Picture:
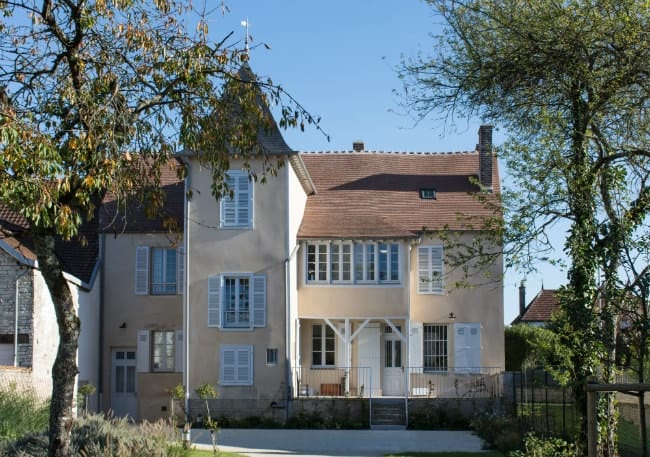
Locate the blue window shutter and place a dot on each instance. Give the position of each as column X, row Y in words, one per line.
column 180, row 269
column 214, row 300
column 142, row 270
column 142, row 353
column 259, row 300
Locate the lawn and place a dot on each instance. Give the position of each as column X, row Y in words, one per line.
column 448, row 454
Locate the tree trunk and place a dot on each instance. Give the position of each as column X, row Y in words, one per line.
column 65, row 369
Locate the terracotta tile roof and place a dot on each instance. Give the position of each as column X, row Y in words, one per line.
column 540, row 308
column 77, row 258
column 377, row 194
column 133, row 219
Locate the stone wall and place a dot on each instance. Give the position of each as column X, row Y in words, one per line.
column 10, row 270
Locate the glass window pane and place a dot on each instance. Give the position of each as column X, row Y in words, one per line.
column 370, row 262
column 394, row 262
column 347, row 262
column 398, row 353
column 358, row 262
column 322, row 262
column 130, row 380
column 383, row 262
column 329, row 358
column 335, row 261
column 119, row 379
column 311, row 262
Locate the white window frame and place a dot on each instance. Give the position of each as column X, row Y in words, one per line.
column 430, row 275
column 163, row 273
column 429, row 344
column 340, row 263
column 234, row 180
column 370, row 256
column 323, row 346
column 318, row 246
column 236, row 380
column 160, row 351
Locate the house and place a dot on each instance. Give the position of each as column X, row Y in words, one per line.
column 325, row 281
column 540, row 309
column 28, row 329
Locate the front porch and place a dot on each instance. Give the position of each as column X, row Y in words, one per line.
column 461, row 383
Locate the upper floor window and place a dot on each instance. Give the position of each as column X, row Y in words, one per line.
column 430, row 270
column 158, row 271
column 237, row 208
column 347, row 262
column 237, row 300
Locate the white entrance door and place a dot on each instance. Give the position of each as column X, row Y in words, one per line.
column 123, row 394
column 369, row 344
column 393, row 379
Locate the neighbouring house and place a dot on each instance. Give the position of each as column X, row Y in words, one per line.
column 540, row 309
column 28, row 329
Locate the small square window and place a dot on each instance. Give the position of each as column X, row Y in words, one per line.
column 428, row 194
column 272, row 356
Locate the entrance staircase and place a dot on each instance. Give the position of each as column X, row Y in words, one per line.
column 388, row 414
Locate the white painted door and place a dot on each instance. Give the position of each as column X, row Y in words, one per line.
column 393, row 379
column 123, row 388
column 369, row 355
column 467, row 347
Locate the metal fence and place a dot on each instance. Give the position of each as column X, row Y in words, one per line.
column 472, row 382
column 544, row 406
column 332, row 382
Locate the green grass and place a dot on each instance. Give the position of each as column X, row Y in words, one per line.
column 20, row 414
column 203, row 453
column 448, row 454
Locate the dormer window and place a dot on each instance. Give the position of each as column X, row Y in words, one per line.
column 427, row 193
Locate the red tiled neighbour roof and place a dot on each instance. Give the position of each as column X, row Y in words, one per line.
column 540, row 308
column 116, row 219
column 377, row 194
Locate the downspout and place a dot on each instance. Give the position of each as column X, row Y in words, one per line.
column 287, row 330
column 408, row 331
column 186, row 291
column 18, row 276
column 102, row 264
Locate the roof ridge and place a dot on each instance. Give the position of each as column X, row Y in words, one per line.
column 352, row 152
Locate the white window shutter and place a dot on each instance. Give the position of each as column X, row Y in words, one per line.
column 415, row 347
column 142, row 353
column 180, row 269
column 214, row 300
column 437, row 270
column 259, row 300
column 228, row 205
column 424, row 270
column 467, row 347
column 142, row 270
column 179, row 348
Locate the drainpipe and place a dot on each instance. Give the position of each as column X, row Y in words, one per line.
column 408, row 331
column 186, row 291
column 18, row 276
column 102, row 265
column 287, row 325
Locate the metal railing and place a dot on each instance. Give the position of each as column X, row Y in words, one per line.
column 332, row 382
column 455, row 382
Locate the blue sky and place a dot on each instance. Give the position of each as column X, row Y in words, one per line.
column 338, row 59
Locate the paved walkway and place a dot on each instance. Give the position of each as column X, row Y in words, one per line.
column 262, row 443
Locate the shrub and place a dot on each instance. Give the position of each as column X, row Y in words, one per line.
column 95, row 436
column 500, row 432
column 535, row 446
column 21, row 414
column 438, row 417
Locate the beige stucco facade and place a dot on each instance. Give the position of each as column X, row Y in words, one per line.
column 126, row 315
column 261, row 250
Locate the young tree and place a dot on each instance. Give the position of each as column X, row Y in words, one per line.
column 94, row 97
column 570, row 83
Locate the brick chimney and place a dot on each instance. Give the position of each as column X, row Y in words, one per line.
column 485, row 156
column 358, row 146
column 522, row 298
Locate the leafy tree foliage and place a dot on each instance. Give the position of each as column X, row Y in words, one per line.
column 94, row 97
column 570, row 83
column 529, row 347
